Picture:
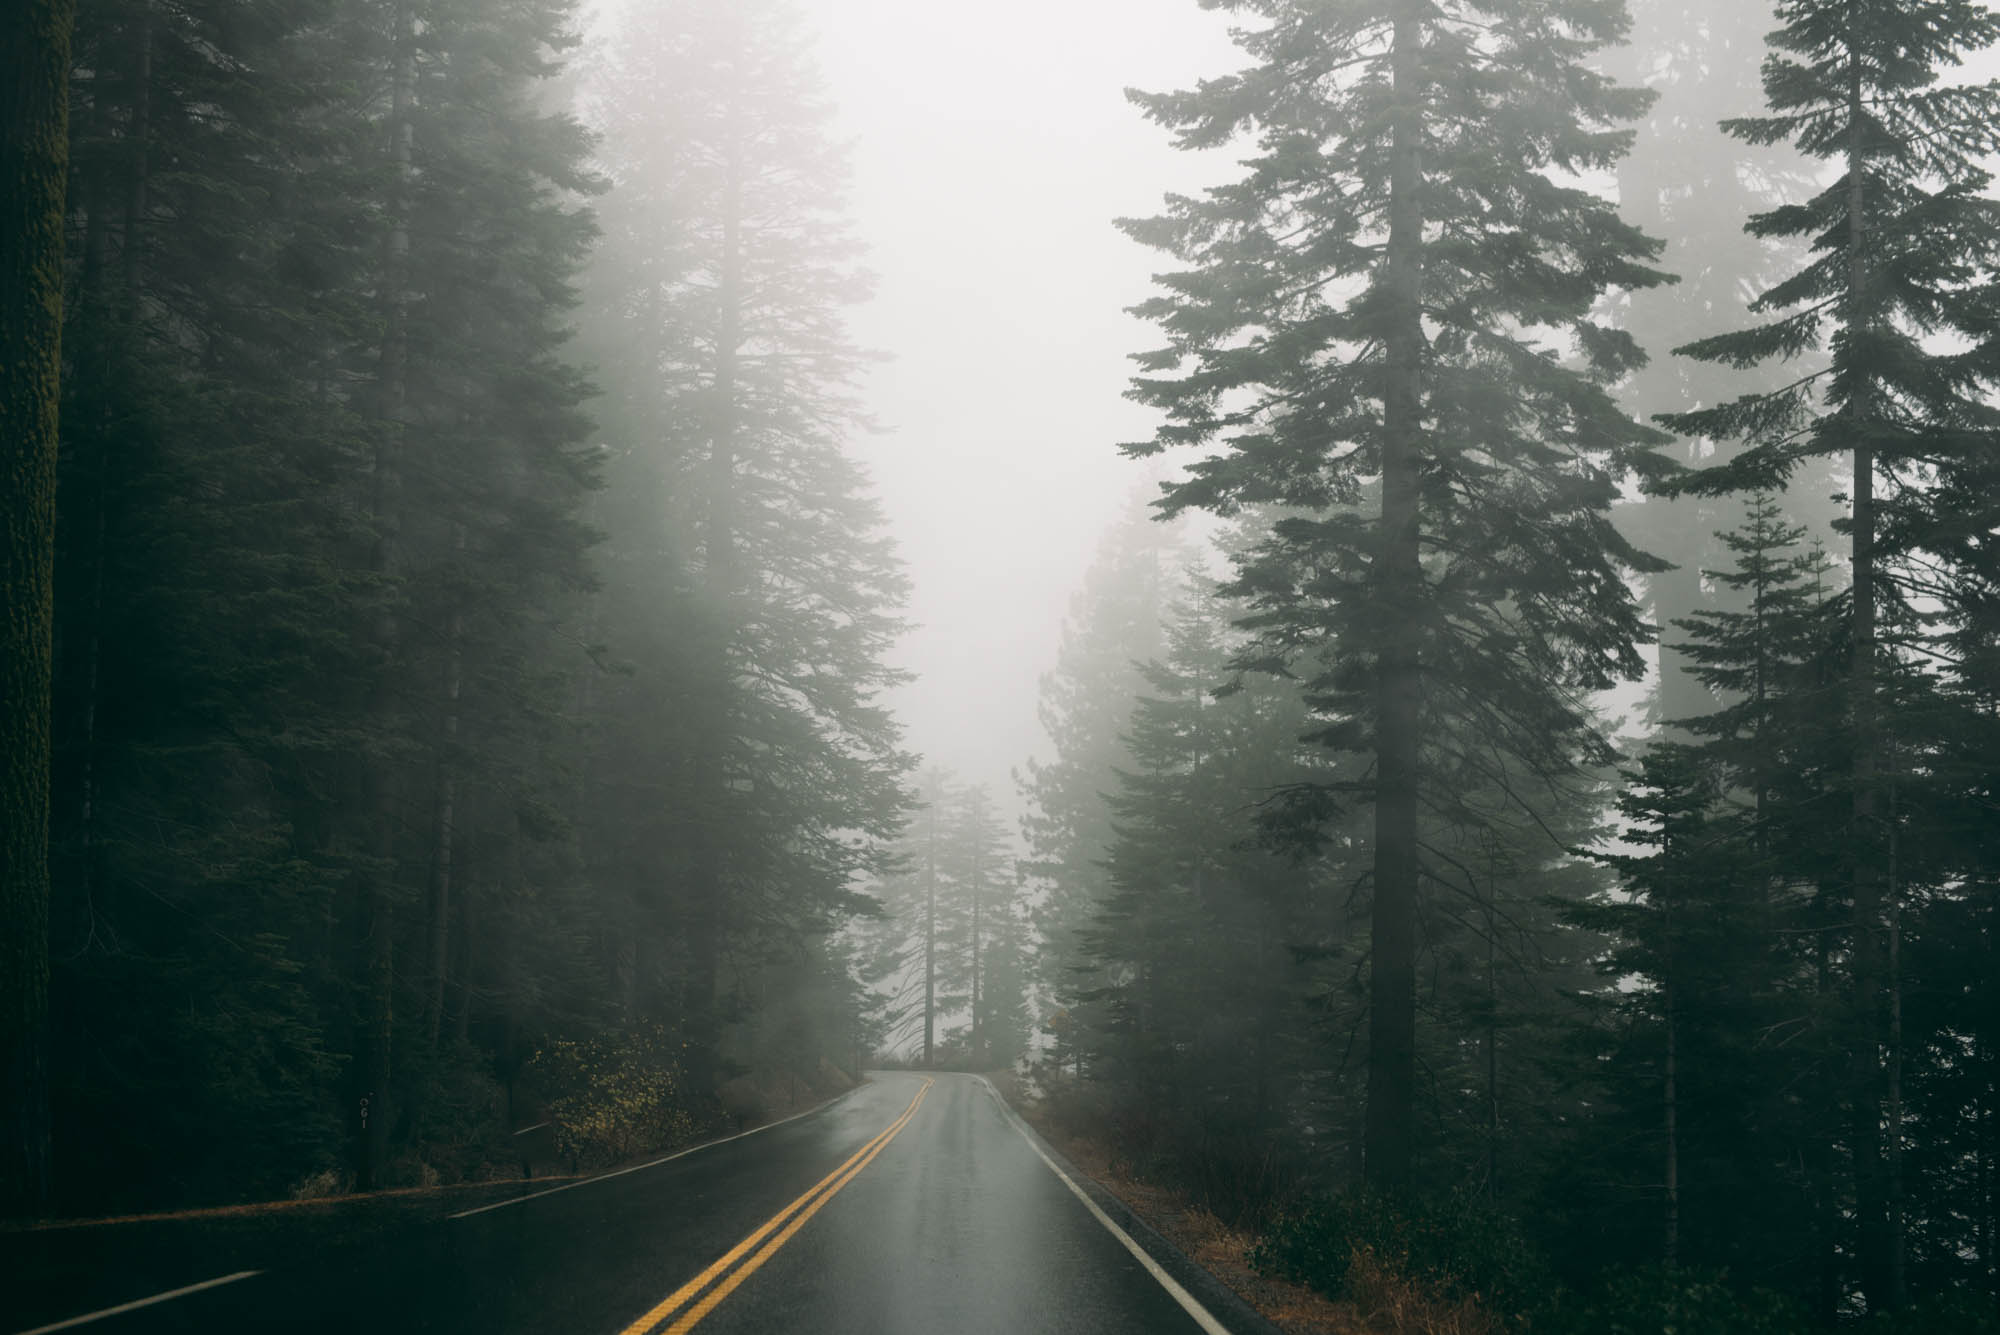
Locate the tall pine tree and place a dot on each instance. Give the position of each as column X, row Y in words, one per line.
column 724, row 281
column 1389, row 324
column 1113, row 628
column 1688, row 183
column 1898, row 289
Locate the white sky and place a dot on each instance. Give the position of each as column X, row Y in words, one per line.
column 992, row 148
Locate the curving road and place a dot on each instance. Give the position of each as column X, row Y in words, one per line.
column 913, row 1204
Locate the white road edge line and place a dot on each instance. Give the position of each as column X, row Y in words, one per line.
column 169, row 1295
column 640, row 1167
column 1189, row 1303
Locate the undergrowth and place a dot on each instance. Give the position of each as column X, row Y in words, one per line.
column 1452, row 1265
column 1453, row 1247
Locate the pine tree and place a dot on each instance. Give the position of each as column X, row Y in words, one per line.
column 1502, row 961
column 492, row 471
column 282, row 593
column 928, row 902
column 1379, row 302
column 1752, row 659
column 1955, row 988
column 1006, row 986
column 1113, row 628
column 1902, row 247
column 202, row 612
column 979, row 866
column 1196, row 997
column 1687, row 183
column 1716, row 970
column 728, row 267
column 1738, row 917
column 1683, row 931
column 342, row 723
column 953, row 943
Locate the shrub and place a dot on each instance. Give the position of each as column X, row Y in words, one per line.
column 457, row 1119
column 1080, row 1109
column 318, row 1186
column 1455, row 1246
column 610, row 1099
column 1659, row 1300
column 1389, row 1300
column 1961, row 1312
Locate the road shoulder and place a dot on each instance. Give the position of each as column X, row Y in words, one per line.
column 1228, row 1306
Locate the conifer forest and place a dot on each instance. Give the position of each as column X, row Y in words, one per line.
column 1503, row 806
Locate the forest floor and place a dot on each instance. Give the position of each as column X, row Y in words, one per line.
column 1204, row 1239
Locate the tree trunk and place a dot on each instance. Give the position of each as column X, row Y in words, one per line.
column 1984, row 1225
column 377, row 1067
column 709, row 914
column 976, row 1029
column 703, row 904
column 1881, row 1279
column 139, row 183
column 1270, row 1016
column 377, row 1033
column 1893, row 1133
column 1983, row 1053
column 1670, row 1248
column 94, row 499
column 93, row 314
column 34, row 168
column 1492, row 1050
column 465, row 918
column 445, row 819
column 438, row 921
column 1391, row 1109
column 1826, row 1203
column 930, row 934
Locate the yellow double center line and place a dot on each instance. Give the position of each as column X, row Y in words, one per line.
column 784, row 1223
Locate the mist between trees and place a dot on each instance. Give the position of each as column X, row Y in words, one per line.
column 471, row 628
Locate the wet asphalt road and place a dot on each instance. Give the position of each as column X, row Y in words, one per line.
column 954, row 1223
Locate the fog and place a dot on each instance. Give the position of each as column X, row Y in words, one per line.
column 991, row 150
column 547, row 531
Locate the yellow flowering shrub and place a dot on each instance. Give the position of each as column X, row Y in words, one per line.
column 611, row 1099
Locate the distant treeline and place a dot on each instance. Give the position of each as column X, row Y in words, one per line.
column 1366, row 917
column 468, row 624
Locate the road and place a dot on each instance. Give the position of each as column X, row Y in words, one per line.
column 915, row 1203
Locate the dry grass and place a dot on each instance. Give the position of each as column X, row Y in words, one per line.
column 1218, row 1248
column 1387, row 1301
column 1380, row 1301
